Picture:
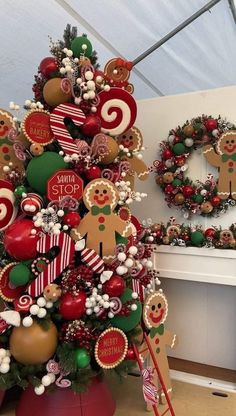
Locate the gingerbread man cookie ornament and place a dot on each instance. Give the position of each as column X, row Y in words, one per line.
column 224, row 158
column 101, row 224
column 155, row 310
column 117, row 72
column 133, row 140
column 7, row 152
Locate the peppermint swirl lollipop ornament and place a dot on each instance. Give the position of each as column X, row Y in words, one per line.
column 8, row 210
column 117, row 110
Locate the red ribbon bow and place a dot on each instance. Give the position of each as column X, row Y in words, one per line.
column 124, row 64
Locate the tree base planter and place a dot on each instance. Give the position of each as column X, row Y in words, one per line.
column 64, row 402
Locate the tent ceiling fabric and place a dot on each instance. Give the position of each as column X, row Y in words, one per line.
column 201, row 56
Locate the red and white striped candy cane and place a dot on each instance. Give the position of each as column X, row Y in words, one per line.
column 59, row 129
column 57, row 265
column 92, row 259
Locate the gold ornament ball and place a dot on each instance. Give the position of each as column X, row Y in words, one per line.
column 206, row 207
column 53, row 93
column 188, row 130
column 36, row 149
column 179, row 198
column 33, row 345
column 166, row 240
column 159, row 180
column 168, row 177
column 52, row 292
column 113, row 150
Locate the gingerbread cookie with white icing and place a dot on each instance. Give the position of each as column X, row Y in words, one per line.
column 132, row 139
column 155, row 311
column 101, row 224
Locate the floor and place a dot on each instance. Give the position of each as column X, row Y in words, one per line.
column 189, row 400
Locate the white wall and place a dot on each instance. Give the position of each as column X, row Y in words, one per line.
column 202, row 314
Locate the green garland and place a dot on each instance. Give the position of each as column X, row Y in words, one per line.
column 183, row 235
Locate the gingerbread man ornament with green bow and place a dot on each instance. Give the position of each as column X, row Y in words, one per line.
column 223, row 157
column 155, row 310
column 101, row 224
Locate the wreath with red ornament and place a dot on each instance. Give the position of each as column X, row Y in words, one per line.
column 196, row 197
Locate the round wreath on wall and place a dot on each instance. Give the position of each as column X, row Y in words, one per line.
column 217, row 138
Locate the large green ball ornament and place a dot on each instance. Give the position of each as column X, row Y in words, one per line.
column 82, row 358
column 41, row 168
column 177, row 182
column 127, row 323
column 198, row 198
column 78, row 48
column 179, row 149
column 197, row 238
column 19, row 275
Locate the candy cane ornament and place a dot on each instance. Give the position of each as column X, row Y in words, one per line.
column 117, row 110
column 8, row 211
column 67, row 248
column 61, row 133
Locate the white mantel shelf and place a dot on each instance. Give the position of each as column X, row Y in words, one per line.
column 196, row 264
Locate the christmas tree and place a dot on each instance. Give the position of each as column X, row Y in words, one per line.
column 73, row 268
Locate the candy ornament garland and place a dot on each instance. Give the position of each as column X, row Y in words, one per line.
column 198, row 198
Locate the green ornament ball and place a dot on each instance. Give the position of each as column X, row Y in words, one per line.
column 19, row 275
column 179, row 149
column 82, row 357
column 197, row 238
column 21, row 189
column 41, row 168
column 127, row 323
column 198, row 198
column 77, row 47
column 176, row 182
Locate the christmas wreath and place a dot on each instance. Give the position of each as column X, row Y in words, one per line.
column 202, row 198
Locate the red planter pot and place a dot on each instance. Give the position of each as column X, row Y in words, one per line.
column 64, row 402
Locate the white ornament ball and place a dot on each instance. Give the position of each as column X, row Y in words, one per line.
column 46, row 380
column 120, row 270
column 2, row 353
column 41, row 302
column 129, row 263
column 135, row 295
column 88, row 75
column 27, row 321
column 6, row 360
column 121, row 257
column 134, row 307
column 4, row 368
column 39, row 390
column 188, row 142
column 42, row 313
column 133, row 250
column 34, row 310
column 52, row 377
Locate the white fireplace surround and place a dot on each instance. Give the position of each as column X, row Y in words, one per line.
column 206, row 265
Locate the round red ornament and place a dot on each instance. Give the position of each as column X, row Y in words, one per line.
column 94, row 172
column 18, row 240
column 210, row 233
column 180, row 160
column 169, row 189
column 215, row 201
column 72, row 219
column 188, row 191
column 111, row 348
column 130, row 355
column 72, row 306
column 167, row 154
column 115, row 286
column 48, row 66
column 211, row 124
column 91, row 126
